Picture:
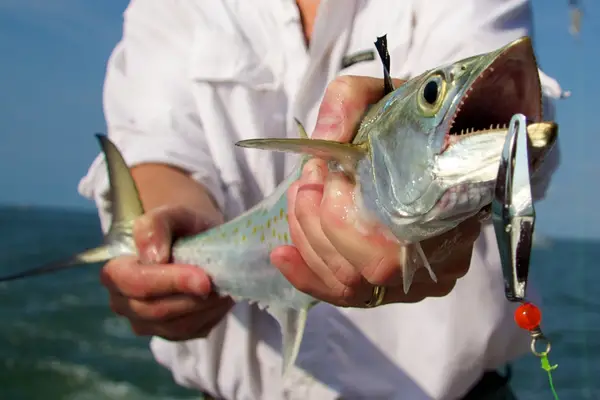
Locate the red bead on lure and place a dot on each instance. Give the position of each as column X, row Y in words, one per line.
column 529, row 317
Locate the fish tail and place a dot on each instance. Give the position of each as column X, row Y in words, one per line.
column 125, row 207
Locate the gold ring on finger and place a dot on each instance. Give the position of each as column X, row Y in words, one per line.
column 377, row 297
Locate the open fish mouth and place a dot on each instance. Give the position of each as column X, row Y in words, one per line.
column 508, row 85
column 475, row 136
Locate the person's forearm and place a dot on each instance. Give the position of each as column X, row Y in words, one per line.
column 160, row 184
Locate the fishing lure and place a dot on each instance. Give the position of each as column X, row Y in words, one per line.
column 513, row 215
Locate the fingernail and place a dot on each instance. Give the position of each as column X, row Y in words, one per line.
column 314, row 174
column 329, row 121
column 327, row 127
column 195, row 284
column 151, row 254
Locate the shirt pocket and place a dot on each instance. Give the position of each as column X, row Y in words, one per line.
column 240, row 95
column 249, row 85
column 228, row 58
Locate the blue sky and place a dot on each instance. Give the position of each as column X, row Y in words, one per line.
column 51, row 73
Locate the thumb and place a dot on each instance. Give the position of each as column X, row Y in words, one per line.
column 154, row 232
column 345, row 101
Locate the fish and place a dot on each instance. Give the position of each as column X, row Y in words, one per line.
column 424, row 158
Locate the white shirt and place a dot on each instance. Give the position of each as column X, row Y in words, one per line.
column 190, row 78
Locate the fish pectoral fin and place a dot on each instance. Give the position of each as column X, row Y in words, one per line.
column 292, row 323
column 342, row 156
column 425, row 262
column 125, row 207
column 343, row 153
column 411, row 258
column 91, row 256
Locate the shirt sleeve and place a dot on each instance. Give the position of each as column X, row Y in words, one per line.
column 445, row 31
column 149, row 110
column 151, row 116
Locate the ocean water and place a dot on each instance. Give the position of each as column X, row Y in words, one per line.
column 59, row 340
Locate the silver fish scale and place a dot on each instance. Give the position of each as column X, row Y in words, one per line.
column 247, row 242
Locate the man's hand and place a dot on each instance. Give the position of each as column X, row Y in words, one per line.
column 338, row 257
column 168, row 300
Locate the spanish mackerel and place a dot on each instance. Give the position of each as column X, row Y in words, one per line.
column 424, row 159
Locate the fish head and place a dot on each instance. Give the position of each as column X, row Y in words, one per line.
column 441, row 135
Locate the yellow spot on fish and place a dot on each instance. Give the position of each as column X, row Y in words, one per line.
column 286, row 218
column 249, row 224
column 281, row 213
column 279, row 237
column 243, row 238
column 268, row 224
column 254, row 230
column 274, row 233
column 275, row 219
column 285, row 237
column 235, row 231
column 262, row 238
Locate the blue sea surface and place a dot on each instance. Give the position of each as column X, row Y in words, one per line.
column 59, row 340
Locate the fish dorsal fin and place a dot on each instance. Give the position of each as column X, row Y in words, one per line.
column 301, row 131
column 125, row 201
column 381, row 46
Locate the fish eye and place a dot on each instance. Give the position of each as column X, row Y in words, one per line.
column 431, row 94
